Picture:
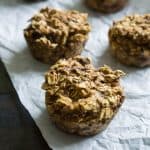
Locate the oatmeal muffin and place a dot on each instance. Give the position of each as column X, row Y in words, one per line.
column 81, row 99
column 106, row 6
column 130, row 40
column 54, row 34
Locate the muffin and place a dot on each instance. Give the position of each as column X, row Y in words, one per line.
column 130, row 40
column 106, row 6
column 53, row 34
column 81, row 99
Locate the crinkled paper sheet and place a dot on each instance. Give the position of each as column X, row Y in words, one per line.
column 129, row 130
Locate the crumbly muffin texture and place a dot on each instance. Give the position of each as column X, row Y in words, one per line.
column 130, row 40
column 54, row 34
column 106, row 6
column 81, row 99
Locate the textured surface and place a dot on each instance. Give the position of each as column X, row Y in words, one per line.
column 129, row 130
column 129, row 39
column 54, row 34
column 80, row 98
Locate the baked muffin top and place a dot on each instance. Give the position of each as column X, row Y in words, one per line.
column 76, row 88
column 57, row 27
column 135, row 28
column 106, row 6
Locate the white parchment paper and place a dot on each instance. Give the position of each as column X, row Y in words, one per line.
column 129, row 130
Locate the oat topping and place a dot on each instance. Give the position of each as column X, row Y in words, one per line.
column 54, row 34
column 130, row 40
column 76, row 91
column 58, row 26
column 136, row 28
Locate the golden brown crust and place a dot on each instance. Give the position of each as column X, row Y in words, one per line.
column 54, row 34
column 81, row 99
column 106, row 6
column 130, row 40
